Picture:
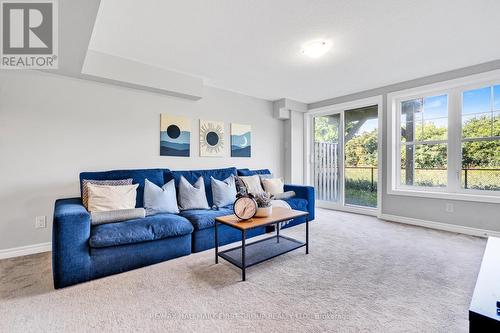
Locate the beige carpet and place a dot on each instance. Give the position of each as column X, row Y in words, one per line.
column 362, row 275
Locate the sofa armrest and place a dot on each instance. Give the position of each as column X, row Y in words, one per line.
column 70, row 243
column 304, row 192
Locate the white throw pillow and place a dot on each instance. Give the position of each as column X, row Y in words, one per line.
column 192, row 196
column 273, row 186
column 103, row 198
column 223, row 191
column 252, row 183
column 160, row 199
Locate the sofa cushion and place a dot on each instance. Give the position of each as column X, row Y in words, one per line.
column 248, row 172
column 154, row 227
column 205, row 218
column 240, row 172
column 138, row 176
column 297, row 204
column 193, row 175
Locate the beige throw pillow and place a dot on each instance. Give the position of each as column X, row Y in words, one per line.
column 252, row 183
column 85, row 192
column 273, row 186
column 103, row 198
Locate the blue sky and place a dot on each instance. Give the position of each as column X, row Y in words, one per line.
column 478, row 100
column 435, row 107
column 474, row 101
column 368, row 126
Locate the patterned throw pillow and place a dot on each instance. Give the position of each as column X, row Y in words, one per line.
column 85, row 190
column 240, row 185
column 252, row 184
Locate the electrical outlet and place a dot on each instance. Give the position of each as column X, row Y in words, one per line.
column 449, row 208
column 40, row 222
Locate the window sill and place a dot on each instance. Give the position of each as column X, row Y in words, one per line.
column 493, row 198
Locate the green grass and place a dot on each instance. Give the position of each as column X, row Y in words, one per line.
column 360, row 191
column 482, row 179
column 360, row 173
column 360, row 197
column 476, row 179
column 431, row 178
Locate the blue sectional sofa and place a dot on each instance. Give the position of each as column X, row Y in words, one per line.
column 82, row 252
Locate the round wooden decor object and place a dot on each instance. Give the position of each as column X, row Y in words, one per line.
column 245, row 208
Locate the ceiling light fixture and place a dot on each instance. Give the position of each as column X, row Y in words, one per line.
column 317, row 48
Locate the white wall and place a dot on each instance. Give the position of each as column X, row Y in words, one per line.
column 287, row 144
column 296, row 147
column 53, row 127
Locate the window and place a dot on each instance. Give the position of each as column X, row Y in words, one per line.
column 424, row 141
column 326, row 157
column 480, row 140
column 445, row 139
column 361, row 156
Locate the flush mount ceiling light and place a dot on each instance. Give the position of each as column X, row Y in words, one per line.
column 316, row 48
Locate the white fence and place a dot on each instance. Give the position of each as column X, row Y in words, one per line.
column 326, row 176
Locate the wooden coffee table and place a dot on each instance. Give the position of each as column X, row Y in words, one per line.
column 247, row 255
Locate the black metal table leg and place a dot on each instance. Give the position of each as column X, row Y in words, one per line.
column 237, row 254
column 243, row 264
column 307, row 235
column 277, row 232
column 216, row 245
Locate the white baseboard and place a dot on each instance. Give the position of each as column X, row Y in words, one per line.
column 441, row 226
column 25, row 250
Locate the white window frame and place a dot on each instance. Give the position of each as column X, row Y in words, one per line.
column 309, row 141
column 429, row 142
column 454, row 89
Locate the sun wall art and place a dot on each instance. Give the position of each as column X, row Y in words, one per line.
column 175, row 135
column 211, row 138
column 241, row 140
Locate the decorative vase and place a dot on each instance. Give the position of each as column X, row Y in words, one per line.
column 264, row 211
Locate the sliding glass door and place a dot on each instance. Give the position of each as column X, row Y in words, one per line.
column 326, row 157
column 361, row 156
column 345, row 157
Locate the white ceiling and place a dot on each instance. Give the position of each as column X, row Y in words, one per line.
column 253, row 46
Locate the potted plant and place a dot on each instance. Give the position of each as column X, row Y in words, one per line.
column 264, row 208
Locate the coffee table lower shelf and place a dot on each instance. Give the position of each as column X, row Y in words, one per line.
column 261, row 250
column 247, row 255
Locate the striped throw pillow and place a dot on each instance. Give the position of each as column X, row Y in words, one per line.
column 85, row 190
